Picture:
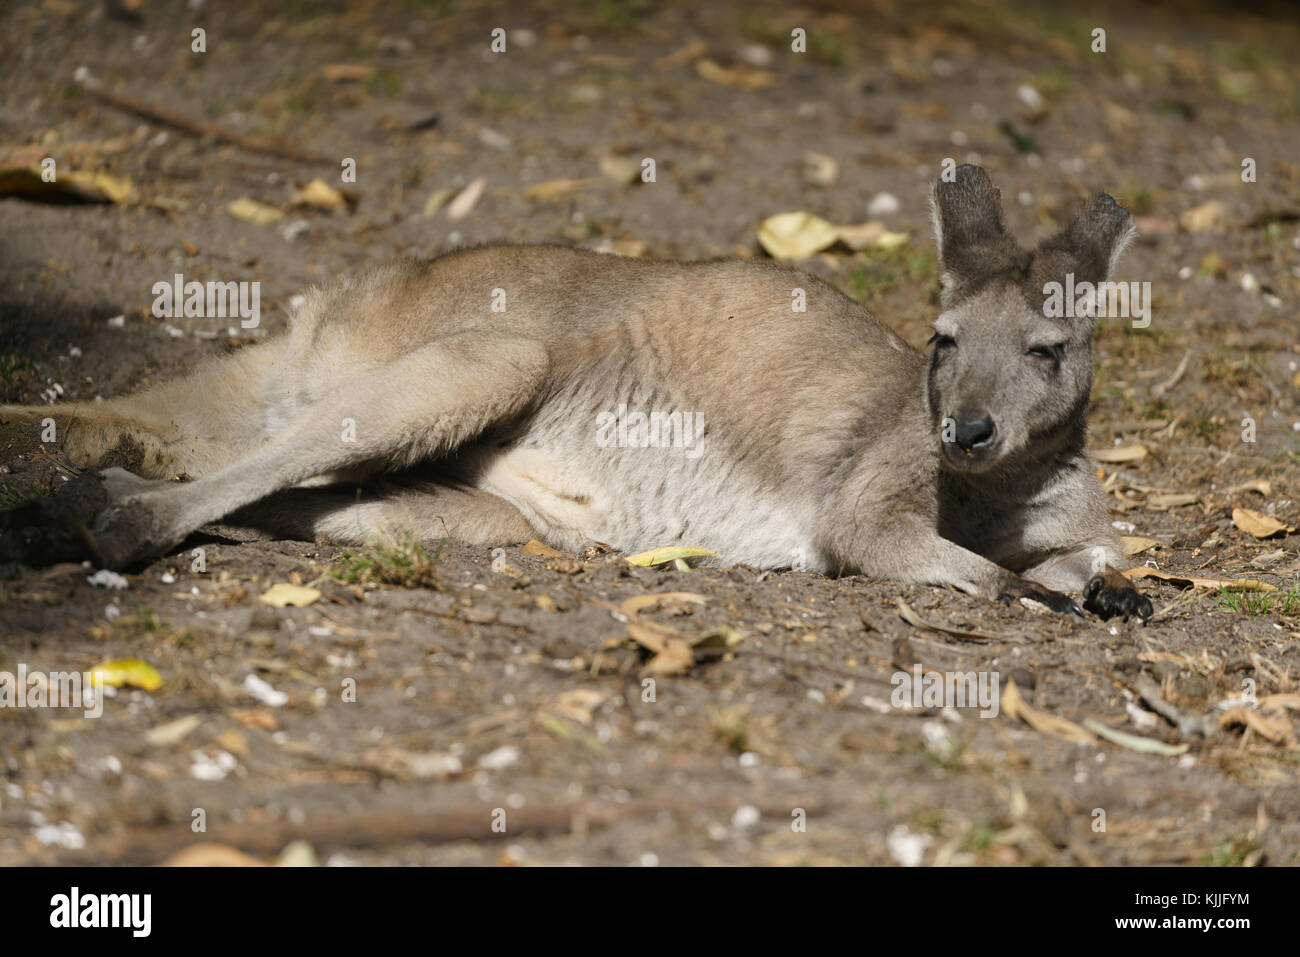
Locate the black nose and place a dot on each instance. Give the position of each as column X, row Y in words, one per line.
column 974, row 434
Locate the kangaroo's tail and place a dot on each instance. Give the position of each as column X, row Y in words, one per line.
column 189, row 426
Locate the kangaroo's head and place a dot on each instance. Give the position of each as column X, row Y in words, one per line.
column 1008, row 378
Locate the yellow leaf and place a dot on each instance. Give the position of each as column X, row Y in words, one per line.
column 669, row 553
column 283, row 595
column 861, row 237
column 127, row 672
column 251, row 211
column 795, row 235
column 26, row 182
column 320, row 195
column 1258, row 524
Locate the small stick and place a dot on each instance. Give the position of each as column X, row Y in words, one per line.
column 1172, row 381
column 183, row 121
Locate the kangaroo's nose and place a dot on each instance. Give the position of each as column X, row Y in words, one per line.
column 974, row 433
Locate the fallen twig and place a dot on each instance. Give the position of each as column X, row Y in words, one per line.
column 189, row 124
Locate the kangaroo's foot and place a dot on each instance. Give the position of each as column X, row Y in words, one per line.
column 61, row 527
column 1109, row 593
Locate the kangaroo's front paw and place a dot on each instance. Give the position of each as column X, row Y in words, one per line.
column 1017, row 588
column 1109, row 593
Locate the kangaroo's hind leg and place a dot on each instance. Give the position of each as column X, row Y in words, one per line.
column 416, row 408
column 428, row 511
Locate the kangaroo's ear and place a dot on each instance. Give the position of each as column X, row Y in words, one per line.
column 973, row 242
column 1090, row 246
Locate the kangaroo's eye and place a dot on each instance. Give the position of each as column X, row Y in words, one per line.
column 1056, row 353
column 940, row 341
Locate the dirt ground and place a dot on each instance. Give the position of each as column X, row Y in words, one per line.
column 403, row 720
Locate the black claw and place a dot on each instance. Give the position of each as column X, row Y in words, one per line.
column 1109, row 596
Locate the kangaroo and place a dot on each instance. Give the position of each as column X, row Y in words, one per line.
column 485, row 396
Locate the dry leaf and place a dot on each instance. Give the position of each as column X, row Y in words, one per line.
column 535, row 547
column 1195, row 581
column 212, row 855
column 555, row 189
column 672, row 652
column 1262, row 486
column 1134, row 742
column 738, row 77
column 1121, row 453
column 795, row 235
column 669, row 553
column 263, row 719
column 320, row 195
column 639, row 603
column 579, row 705
column 1203, row 218
column 861, row 237
column 436, row 201
column 128, row 672
column 25, row 182
column 1015, row 707
column 1272, row 726
column 621, row 169
column 1136, row 545
column 681, row 57
column 822, row 170
column 251, row 211
column 1259, row 524
column 908, row 615
column 283, row 595
column 173, row 731
column 464, row 203
column 1164, row 500
column 347, row 72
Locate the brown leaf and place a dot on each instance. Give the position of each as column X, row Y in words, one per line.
column 1259, row 524
column 1015, row 707
column 1271, row 725
column 639, row 603
column 672, row 652
column 535, row 547
column 347, row 72
column 554, row 190
column 1195, row 581
column 738, row 77
column 1136, row 545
